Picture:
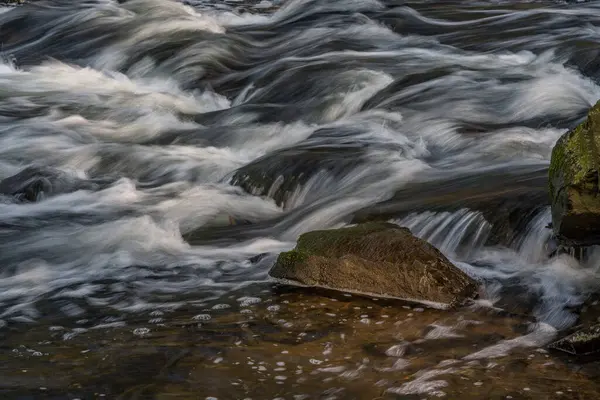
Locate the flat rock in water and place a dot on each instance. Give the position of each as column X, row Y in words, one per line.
column 381, row 259
column 583, row 342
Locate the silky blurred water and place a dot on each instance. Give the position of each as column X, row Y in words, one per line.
column 179, row 142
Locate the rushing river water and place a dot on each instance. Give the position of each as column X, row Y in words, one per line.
column 167, row 152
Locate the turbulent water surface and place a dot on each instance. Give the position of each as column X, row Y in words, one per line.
column 164, row 152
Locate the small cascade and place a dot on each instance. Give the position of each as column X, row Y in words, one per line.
column 457, row 234
column 536, row 245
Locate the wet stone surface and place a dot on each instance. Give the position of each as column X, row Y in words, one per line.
column 268, row 342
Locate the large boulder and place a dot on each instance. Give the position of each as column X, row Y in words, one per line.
column 574, row 178
column 381, row 259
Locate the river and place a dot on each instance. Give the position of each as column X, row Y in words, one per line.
column 165, row 153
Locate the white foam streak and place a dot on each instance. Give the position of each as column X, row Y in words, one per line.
column 540, row 335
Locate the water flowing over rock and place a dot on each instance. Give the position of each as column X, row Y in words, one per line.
column 375, row 258
column 34, row 183
column 574, row 183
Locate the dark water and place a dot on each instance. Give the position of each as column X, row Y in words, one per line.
column 168, row 152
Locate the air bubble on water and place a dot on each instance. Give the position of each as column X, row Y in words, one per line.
column 246, row 311
column 315, row 361
column 365, row 321
column 141, row 331
column 261, row 368
column 280, row 378
column 397, row 350
column 218, row 360
column 274, row 308
column 418, row 309
column 201, row 317
column 399, row 365
column 36, row 354
column 248, row 301
column 333, row 370
column 280, row 363
column 69, row 335
column 479, row 383
column 56, row 328
column 155, row 320
column 221, row 306
column 330, row 314
column 422, row 384
column 441, row 332
column 156, row 313
column 279, row 369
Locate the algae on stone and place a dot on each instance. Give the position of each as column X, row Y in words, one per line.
column 574, row 183
column 375, row 258
column 583, row 342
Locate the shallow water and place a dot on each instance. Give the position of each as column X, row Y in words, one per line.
column 268, row 342
column 185, row 145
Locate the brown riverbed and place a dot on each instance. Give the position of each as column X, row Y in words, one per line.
column 269, row 342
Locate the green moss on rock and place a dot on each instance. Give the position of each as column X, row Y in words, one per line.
column 583, row 342
column 290, row 258
column 573, row 183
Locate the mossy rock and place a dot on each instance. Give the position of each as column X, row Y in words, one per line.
column 574, row 178
column 584, row 342
column 375, row 258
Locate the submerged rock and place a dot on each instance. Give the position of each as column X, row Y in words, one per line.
column 583, row 342
column 376, row 258
column 281, row 174
column 34, row 184
column 574, row 183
